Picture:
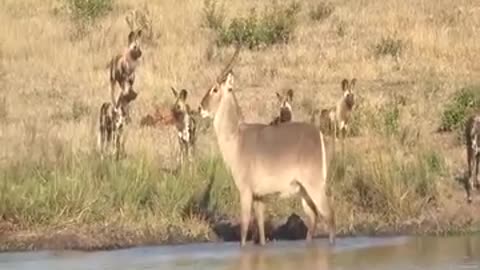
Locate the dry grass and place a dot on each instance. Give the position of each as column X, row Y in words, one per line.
column 53, row 82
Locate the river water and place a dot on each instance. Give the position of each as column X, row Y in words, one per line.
column 419, row 253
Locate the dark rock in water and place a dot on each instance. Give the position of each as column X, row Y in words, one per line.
column 293, row 229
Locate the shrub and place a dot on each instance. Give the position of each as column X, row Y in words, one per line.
column 461, row 104
column 322, row 11
column 213, row 17
column 389, row 46
column 88, row 10
column 275, row 25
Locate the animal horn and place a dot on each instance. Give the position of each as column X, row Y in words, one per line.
column 228, row 67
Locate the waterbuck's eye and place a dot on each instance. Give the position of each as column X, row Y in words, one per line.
column 215, row 90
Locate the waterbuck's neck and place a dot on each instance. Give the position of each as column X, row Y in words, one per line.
column 226, row 124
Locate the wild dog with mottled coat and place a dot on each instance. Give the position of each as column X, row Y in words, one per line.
column 336, row 119
column 472, row 136
column 122, row 68
column 266, row 160
column 184, row 123
column 286, row 113
column 111, row 124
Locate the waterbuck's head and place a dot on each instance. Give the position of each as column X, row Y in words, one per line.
column 285, row 102
column 222, row 86
column 134, row 38
column 348, row 95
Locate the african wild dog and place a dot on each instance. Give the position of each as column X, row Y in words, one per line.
column 122, row 68
column 472, row 136
column 185, row 124
column 285, row 108
column 338, row 118
column 111, row 125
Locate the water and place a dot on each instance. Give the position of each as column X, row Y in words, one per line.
column 393, row 253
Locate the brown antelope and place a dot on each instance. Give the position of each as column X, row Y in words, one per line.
column 122, row 68
column 472, row 136
column 111, row 124
column 184, row 122
column 285, row 108
column 285, row 159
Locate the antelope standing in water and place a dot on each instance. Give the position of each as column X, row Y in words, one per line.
column 185, row 123
column 285, row 108
column 472, row 136
column 111, row 125
column 265, row 159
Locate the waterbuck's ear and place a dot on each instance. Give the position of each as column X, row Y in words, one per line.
column 344, row 84
column 229, row 81
column 131, row 37
column 183, row 94
column 174, row 91
column 139, row 33
column 352, row 83
column 278, row 96
column 290, row 94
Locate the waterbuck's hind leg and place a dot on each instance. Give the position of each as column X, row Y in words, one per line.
column 311, row 215
column 323, row 207
column 476, row 183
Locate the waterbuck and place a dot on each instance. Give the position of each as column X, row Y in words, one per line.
column 285, row 108
column 285, row 159
column 184, row 122
column 122, row 68
column 111, row 124
column 472, row 136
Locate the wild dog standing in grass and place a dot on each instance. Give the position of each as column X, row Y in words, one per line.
column 185, row 124
column 111, row 124
column 472, row 136
column 286, row 113
column 266, row 160
column 122, row 68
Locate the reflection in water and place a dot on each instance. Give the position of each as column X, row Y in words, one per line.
column 355, row 253
column 312, row 257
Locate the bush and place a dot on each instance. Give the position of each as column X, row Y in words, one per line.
column 213, row 17
column 461, row 104
column 275, row 25
column 322, row 11
column 389, row 46
column 88, row 10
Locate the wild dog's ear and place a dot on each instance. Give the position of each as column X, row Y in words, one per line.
column 175, row 94
column 290, row 94
column 131, row 37
column 278, row 96
column 344, row 85
column 352, row 83
column 183, row 94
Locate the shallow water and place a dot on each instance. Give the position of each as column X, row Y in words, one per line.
column 438, row 253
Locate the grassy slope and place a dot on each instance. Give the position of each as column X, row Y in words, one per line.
column 54, row 192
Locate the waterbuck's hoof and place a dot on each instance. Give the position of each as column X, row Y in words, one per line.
column 469, row 200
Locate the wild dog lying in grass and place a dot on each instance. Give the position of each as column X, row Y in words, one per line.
column 266, row 160
column 111, row 125
column 472, row 136
column 185, row 123
column 286, row 113
column 122, row 68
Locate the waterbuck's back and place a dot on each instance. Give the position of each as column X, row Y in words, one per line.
column 274, row 158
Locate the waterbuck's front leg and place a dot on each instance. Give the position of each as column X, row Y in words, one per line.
column 246, row 199
column 476, row 182
column 259, row 208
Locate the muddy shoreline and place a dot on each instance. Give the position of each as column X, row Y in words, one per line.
column 96, row 238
